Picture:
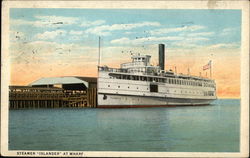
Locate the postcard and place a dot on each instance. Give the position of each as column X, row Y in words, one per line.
column 125, row 78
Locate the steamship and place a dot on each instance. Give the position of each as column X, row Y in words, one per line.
column 139, row 84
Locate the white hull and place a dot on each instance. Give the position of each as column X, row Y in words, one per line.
column 114, row 100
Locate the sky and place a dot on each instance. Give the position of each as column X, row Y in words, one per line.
column 64, row 42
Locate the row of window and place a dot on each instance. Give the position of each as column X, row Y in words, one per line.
column 137, row 70
column 154, row 88
column 161, row 80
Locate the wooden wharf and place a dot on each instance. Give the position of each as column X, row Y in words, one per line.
column 42, row 97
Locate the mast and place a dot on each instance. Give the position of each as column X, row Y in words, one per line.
column 99, row 56
column 99, row 51
column 210, row 69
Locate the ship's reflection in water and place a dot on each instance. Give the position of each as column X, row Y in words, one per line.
column 213, row 128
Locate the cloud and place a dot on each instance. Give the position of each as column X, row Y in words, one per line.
column 126, row 40
column 73, row 32
column 177, row 29
column 200, row 34
column 16, row 22
column 50, row 34
column 123, row 40
column 47, row 52
column 228, row 31
column 129, row 32
column 87, row 23
column 105, row 30
column 189, row 42
column 224, row 45
column 46, row 21
column 54, row 21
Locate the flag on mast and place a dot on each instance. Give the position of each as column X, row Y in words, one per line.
column 207, row 66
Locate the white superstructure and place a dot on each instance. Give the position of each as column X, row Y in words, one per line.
column 139, row 84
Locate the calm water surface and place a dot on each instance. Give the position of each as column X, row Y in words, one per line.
column 213, row 128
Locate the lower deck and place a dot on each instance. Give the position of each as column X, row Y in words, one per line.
column 118, row 100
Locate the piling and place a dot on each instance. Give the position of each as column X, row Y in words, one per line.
column 33, row 97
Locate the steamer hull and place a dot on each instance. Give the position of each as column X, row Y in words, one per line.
column 119, row 93
column 128, row 101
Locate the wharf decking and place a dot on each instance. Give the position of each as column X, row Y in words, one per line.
column 37, row 97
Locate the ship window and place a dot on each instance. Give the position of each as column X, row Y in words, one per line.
column 153, row 88
column 108, row 85
column 118, row 86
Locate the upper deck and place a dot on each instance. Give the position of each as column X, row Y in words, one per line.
column 159, row 75
column 140, row 65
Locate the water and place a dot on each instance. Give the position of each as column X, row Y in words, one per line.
column 213, row 128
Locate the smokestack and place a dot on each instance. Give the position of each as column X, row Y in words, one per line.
column 162, row 56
